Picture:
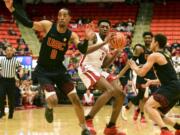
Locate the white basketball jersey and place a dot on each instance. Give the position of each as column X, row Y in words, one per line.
column 97, row 57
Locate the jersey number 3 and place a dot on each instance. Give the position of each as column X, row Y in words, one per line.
column 53, row 54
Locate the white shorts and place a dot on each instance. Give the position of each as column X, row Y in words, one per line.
column 90, row 75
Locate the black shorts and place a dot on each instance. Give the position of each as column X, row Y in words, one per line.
column 54, row 76
column 135, row 100
column 168, row 95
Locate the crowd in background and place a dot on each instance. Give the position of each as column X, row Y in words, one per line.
column 29, row 94
column 21, row 46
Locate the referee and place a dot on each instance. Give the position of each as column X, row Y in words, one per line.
column 8, row 65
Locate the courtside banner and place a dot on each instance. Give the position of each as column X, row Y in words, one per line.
column 26, row 61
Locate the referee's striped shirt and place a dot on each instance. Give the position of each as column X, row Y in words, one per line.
column 8, row 67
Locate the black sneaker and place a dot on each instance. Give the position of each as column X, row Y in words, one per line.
column 49, row 115
column 85, row 132
column 10, row 116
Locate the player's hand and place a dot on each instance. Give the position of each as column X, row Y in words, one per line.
column 109, row 37
column 9, row 4
column 132, row 64
column 148, row 82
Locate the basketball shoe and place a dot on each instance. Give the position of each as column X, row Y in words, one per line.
column 136, row 114
column 112, row 131
column 89, row 123
column 85, row 132
column 166, row 132
column 49, row 115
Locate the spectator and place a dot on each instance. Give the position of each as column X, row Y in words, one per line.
column 2, row 19
column 28, row 94
column 176, row 62
column 6, row 43
column 11, row 31
column 88, row 98
column 71, row 67
column 20, row 41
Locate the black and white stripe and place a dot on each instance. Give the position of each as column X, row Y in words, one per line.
column 8, row 67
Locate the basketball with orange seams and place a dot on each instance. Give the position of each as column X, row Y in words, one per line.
column 118, row 41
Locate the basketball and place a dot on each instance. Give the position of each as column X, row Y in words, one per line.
column 118, row 41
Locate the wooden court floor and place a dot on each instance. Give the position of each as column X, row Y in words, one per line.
column 32, row 122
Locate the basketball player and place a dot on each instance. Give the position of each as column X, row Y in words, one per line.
column 169, row 92
column 92, row 75
column 50, row 69
column 141, row 53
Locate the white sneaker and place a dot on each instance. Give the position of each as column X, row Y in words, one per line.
column 123, row 113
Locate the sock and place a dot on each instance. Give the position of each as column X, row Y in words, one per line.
column 110, row 124
column 164, row 128
column 127, row 107
column 177, row 126
column 138, row 110
column 88, row 117
column 83, row 126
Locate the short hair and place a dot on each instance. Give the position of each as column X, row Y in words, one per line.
column 69, row 12
column 161, row 39
column 147, row 33
column 104, row 20
column 9, row 46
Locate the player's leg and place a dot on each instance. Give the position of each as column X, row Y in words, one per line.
column 140, row 109
column 116, row 108
column 43, row 78
column 104, row 86
column 69, row 89
column 151, row 108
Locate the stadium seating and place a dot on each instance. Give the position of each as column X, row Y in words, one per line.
column 166, row 20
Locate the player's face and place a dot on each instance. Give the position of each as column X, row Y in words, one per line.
column 154, row 45
column 104, row 28
column 63, row 18
column 147, row 40
column 9, row 52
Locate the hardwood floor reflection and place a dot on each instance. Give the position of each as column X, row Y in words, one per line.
column 32, row 122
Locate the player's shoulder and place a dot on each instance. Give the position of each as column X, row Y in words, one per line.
column 155, row 55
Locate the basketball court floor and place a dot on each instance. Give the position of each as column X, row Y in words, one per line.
column 32, row 122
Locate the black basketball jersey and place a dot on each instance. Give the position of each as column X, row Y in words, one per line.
column 142, row 60
column 166, row 73
column 54, row 47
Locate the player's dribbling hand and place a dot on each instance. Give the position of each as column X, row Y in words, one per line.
column 9, row 4
column 109, row 37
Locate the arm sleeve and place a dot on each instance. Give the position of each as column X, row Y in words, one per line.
column 24, row 20
column 83, row 46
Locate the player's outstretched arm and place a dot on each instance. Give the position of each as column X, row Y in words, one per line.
column 88, row 46
column 145, row 68
column 44, row 25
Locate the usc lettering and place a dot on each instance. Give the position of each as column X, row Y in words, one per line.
column 56, row 44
